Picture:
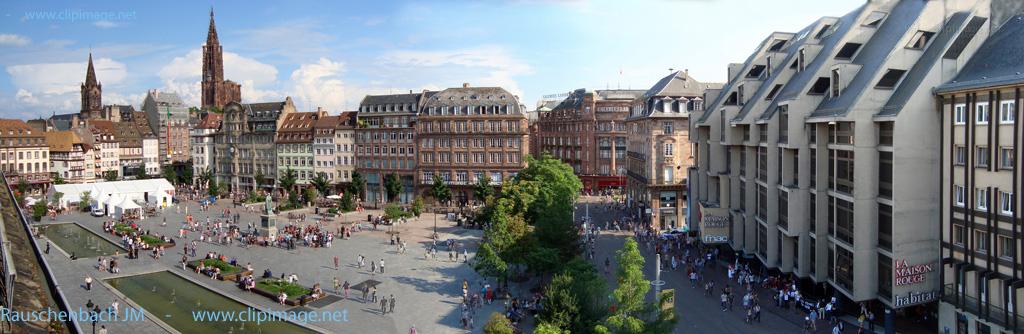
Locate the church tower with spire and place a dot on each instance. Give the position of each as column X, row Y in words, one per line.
column 216, row 91
column 92, row 93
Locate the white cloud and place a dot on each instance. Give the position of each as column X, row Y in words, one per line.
column 319, row 84
column 60, row 78
column 487, row 65
column 105, row 24
column 184, row 76
column 14, row 40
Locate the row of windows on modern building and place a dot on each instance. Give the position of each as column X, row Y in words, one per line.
column 983, row 114
column 513, row 142
column 22, row 155
column 37, row 167
column 308, row 162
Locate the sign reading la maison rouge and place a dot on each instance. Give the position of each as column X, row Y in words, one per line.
column 905, row 274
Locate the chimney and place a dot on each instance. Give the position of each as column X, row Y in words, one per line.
column 465, row 85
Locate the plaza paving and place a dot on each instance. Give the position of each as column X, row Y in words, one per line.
column 428, row 292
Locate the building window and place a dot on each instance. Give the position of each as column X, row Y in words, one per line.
column 762, row 164
column 1005, row 247
column 842, row 218
column 783, row 209
column 1006, row 203
column 762, row 202
column 1006, row 112
column 762, row 240
column 874, row 19
column 667, row 128
column 885, row 132
column 981, row 198
column 783, row 123
column 885, row 174
column 920, row 40
column 841, row 171
column 958, row 234
column 820, row 86
column 848, row 51
column 959, row 194
column 981, row 158
column 981, row 241
column 884, row 276
column 981, row 112
column 835, row 82
column 960, row 114
column 844, row 268
column 959, row 155
column 1006, row 155
column 668, row 149
column 773, row 92
column 885, row 226
column 890, row 78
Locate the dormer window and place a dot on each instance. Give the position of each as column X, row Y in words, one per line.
column 890, row 78
column 874, row 19
column 848, row 51
column 920, row 40
column 820, row 86
column 777, row 45
column 823, row 32
column 755, row 71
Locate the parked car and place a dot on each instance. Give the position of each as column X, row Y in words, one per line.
column 97, row 212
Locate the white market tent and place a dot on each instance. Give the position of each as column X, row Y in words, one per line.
column 124, row 206
column 157, row 192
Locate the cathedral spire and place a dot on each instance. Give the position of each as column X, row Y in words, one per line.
column 90, row 74
column 211, row 36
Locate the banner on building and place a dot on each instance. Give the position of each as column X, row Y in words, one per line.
column 714, row 224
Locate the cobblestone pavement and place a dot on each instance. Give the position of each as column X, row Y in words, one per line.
column 428, row 292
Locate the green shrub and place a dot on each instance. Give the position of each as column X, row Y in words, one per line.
column 225, row 268
column 275, row 286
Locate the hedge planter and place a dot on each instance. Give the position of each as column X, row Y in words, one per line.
column 228, row 272
column 297, row 294
column 155, row 241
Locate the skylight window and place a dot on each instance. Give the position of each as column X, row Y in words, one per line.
column 848, row 50
column 874, row 19
column 755, row 71
column 773, row 92
column 890, row 78
column 777, row 45
column 820, row 87
column 823, row 32
column 920, row 40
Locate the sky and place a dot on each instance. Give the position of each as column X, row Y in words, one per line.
column 331, row 54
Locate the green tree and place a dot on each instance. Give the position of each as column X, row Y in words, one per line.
column 213, row 188
column 546, row 328
column 259, row 178
column 393, row 186
column 38, row 210
column 489, row 263
column 141, row 174
column 440, row 190
column 321, row 183
column 205, row 176
column 630, row 294
column 185, row 177
column 561, row 308
column 393, row 211
column 57, row 196
column 22, row 186
column 57, row 179
column 170, row 174
column 310, row 194
column 347, row 203
column 111, row 175
column 357, row 186
column 498, row 324
column 288, row 178
column 84, row 200
column 483, row 189
column 417, row 206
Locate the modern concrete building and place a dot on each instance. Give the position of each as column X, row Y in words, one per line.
column 658, row 149
column 981, row 266
column 168, row 118
column 243, row 150
column 468, row 133
column 776, row 179
column 385, row 143
column 587, row 130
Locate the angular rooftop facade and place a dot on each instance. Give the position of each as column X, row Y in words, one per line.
column 776, row 149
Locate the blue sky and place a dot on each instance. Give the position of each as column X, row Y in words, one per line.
column 332, row 54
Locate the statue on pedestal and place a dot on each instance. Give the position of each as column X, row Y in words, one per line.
column 268, row 205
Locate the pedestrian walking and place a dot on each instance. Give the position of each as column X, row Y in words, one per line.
column 345, row 286
column 373, row 266
column 47, row 251
column 381, row 266
column 337, row 285
column 373, row 294
column 335, row 262
column 392, row 304
column 383, row 306
column 88, row 283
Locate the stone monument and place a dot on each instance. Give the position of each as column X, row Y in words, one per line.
column 268, row 221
